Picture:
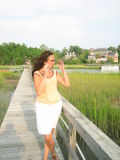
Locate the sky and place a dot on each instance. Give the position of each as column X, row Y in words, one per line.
column 60, row 23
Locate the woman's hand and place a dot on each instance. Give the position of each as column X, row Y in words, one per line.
column 45, row 70
column 60, row 65
column 63, row 80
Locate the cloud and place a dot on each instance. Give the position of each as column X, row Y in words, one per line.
column 60, row 23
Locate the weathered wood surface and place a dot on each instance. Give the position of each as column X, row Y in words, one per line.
column 19, row 139
column 101, row 145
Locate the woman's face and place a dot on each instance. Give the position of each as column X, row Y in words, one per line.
column 51, row 61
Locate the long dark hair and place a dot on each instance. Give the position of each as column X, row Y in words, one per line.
column 38, row 63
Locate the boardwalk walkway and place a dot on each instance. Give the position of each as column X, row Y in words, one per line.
column 19, row 139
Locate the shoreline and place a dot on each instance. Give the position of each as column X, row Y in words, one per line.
column 5, row 68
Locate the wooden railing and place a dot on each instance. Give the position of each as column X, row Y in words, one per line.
column 100, row 144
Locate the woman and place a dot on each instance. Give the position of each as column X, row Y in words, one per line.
column 48, row 101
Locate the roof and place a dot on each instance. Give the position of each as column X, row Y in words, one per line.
column 103, row 53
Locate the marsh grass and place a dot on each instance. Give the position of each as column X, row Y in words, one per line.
column 8, row 82
column 9, row 75
column 98, row 97
column 5, row 96
column 9, row 66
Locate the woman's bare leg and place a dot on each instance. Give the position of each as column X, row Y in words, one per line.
column 46, row 151
column 49, row 145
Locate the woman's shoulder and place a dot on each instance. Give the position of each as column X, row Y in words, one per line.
column 38, row 73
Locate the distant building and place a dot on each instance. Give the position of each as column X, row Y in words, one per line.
column 70, row 55
column 102, row 54
column 91, row 57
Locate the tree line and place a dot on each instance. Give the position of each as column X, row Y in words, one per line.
column 16, row 54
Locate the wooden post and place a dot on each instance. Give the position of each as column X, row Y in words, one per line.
column 72, row 139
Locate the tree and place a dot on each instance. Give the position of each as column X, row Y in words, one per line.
column 112, row 49
column 43, row 46
column 64, row 51
column 110, row 60
column 118, row 50
column 76, row 49
column 98, row 55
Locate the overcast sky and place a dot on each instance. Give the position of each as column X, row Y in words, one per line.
column 61, row 23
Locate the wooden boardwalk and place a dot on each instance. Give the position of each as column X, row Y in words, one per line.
column 19, row 139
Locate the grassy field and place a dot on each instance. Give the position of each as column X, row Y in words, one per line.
column 8, row 82
column 9, row 66
column 98, row 97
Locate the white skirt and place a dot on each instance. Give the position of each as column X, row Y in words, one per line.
column 47, row 116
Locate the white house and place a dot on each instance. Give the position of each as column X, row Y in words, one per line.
column 70, row 55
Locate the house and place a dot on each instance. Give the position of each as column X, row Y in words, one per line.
column 70, row 55
column 102, row 55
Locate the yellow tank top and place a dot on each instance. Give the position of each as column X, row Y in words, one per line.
column 51, row 94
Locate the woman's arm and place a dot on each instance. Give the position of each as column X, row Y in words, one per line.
column 63, row 80
column 39, row 84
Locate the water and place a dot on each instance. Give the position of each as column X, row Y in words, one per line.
column 82, row 70
column 87, row 71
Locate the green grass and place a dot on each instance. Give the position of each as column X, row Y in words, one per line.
column 9, row 75
column 4, row 102
column 9, row 66
column 8, row 82
column 98, row 97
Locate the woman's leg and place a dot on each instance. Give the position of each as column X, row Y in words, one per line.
column 46, row 151
column 49, row 145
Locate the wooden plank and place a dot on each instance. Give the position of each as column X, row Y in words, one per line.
column 72, row 139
